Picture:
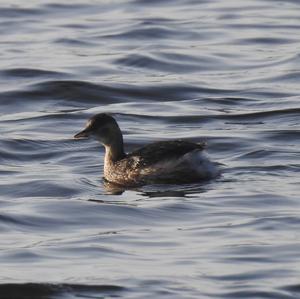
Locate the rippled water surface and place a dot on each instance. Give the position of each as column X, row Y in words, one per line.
column 227, row 72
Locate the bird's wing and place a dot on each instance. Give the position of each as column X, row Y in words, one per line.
column 164, row 150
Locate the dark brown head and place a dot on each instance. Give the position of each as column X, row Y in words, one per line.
column 102, row 127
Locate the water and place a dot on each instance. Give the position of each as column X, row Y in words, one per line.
column 222, row 71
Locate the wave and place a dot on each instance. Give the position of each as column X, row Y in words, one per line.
column 35, row 290
column 226, row 72
column 30, row 73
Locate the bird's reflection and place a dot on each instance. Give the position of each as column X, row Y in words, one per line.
column 152, row 191
column 112, row 188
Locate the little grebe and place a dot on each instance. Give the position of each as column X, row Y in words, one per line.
column 171, row 162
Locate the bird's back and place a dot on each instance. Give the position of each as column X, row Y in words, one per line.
column 164, row 150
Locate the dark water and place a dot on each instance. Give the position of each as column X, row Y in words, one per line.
column 224, row 71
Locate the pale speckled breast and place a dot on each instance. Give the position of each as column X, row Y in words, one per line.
column 124, row 172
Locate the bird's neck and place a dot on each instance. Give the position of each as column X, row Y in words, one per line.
column 114, row 151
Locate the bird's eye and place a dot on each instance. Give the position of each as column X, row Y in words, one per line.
column 103, row 131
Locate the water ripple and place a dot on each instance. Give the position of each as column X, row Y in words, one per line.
column 225, row 72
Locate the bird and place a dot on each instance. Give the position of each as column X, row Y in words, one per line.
column 161, row 162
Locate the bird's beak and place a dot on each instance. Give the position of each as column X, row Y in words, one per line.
column 83, row 134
